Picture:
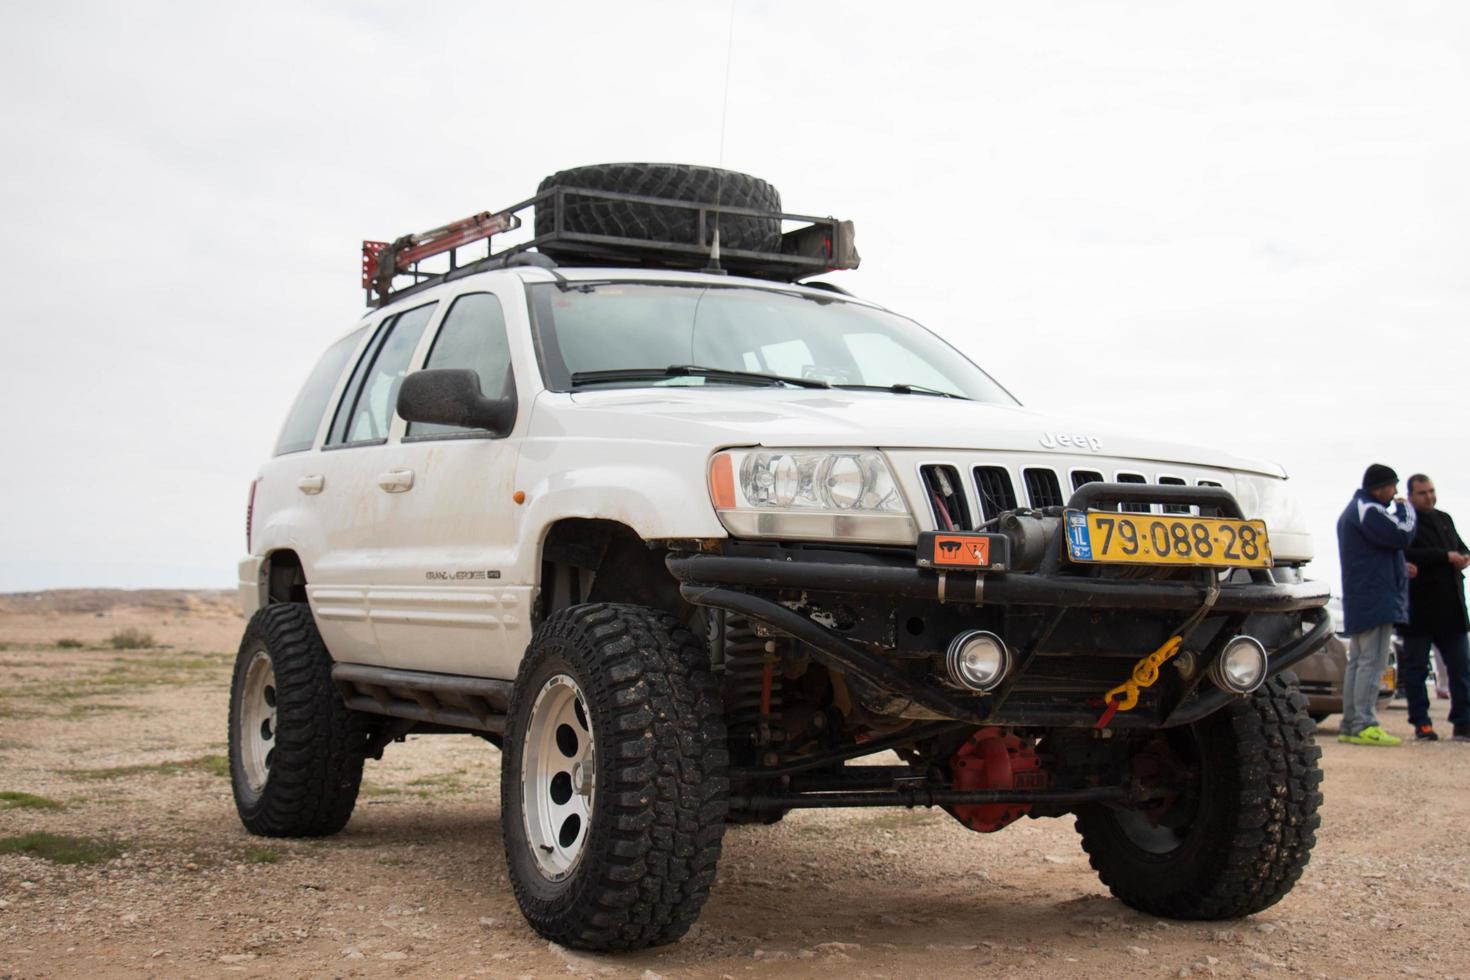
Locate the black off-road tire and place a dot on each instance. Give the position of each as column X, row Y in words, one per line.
column 1254, row 821
column 316, row 763
column 658, row 809
column 651, row 222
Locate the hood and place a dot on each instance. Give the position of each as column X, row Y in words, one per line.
column 718, row 417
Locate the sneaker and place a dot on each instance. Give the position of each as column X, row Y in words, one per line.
column 1374, row 735
column 1425, row 733
column 1462, row 733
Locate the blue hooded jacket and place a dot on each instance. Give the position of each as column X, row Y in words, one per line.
column 1375, row 578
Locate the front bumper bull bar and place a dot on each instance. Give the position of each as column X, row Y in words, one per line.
column 723, row 583
column 751, row 587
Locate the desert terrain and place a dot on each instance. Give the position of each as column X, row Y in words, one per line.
column 120, row 853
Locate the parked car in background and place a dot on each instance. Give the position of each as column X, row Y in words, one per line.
column 1321, row 673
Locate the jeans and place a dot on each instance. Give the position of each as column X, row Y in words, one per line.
column 1367, row 659
column 1455, row 649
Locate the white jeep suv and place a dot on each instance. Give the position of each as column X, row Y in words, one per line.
column 685, row 538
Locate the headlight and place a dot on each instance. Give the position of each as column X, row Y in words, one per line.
column 812, row 495
column 1271, row 500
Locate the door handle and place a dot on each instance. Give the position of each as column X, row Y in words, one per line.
column 396, row 481
column 311, row 484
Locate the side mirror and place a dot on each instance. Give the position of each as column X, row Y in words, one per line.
column 452, row 396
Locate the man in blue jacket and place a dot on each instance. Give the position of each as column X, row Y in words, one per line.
column 1371, row 539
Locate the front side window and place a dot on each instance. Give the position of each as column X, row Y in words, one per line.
column 368, row 404
column 473, row 336
column 636, row 327
column 299, row 432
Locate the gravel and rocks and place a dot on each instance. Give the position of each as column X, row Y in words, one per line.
column 128, row 743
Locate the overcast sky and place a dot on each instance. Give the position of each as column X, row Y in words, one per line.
column 1249, row 221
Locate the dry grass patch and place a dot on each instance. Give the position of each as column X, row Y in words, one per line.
column 61, row 848
column 125, row 675
column 214, row 765
column 131, row 638
column 13, row 800
column 445, row 783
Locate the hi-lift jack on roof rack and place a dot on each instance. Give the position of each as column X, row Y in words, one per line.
column 381, row 261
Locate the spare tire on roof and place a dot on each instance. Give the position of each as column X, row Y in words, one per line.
column 661, row 223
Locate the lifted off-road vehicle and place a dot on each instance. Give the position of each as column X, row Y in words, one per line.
column 686, row 538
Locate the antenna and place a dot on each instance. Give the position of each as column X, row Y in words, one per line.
column 714, row 251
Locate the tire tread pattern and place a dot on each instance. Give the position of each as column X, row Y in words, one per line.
column 650, row 222
column 317, row 766
column 660, row 816
column 1259, row 840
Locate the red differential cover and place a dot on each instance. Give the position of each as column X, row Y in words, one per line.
column 995, row 758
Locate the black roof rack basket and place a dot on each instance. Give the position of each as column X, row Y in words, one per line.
column 818, row 245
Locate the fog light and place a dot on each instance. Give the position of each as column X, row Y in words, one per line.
column 977, row 660
column 1241, row 667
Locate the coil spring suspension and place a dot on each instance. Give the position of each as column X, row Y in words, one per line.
column 752, row 686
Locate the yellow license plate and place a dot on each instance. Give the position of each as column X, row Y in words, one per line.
column 1150, row 539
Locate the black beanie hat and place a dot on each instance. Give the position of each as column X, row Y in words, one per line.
column 1377, row 476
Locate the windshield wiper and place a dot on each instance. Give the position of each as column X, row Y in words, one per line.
column 580, row 378
column 904, row 388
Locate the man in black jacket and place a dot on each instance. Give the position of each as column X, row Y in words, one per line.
column 1436, row 613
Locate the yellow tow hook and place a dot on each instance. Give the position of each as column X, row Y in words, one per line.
column 1124, row 697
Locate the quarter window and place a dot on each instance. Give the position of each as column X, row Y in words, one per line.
column 473, row 336
column 299, row 432
column 367, row 405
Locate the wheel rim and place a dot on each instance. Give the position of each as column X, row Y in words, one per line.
column 257, row 736
column 558, row 775
column 1173, row 765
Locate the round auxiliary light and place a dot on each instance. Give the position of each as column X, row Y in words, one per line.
column 1241, row 667
column 977, row 660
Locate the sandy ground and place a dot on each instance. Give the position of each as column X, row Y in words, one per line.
column 129, row 746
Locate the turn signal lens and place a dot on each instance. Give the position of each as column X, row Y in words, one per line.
column 722, row 481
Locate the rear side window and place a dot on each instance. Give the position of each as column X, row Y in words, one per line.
column 367, row 406
column 473, row 336
column 299, row 432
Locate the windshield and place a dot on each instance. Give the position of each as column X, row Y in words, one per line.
column 642, row 329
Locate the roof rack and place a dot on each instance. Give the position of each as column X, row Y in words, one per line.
column 820, row 245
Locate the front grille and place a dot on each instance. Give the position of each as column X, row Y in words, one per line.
column 1174, row 481
column 1081, row 478
column 1134, row 508
column 1004, row 482
column 946, row 497
column 996, row 492
column 1042, row 488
